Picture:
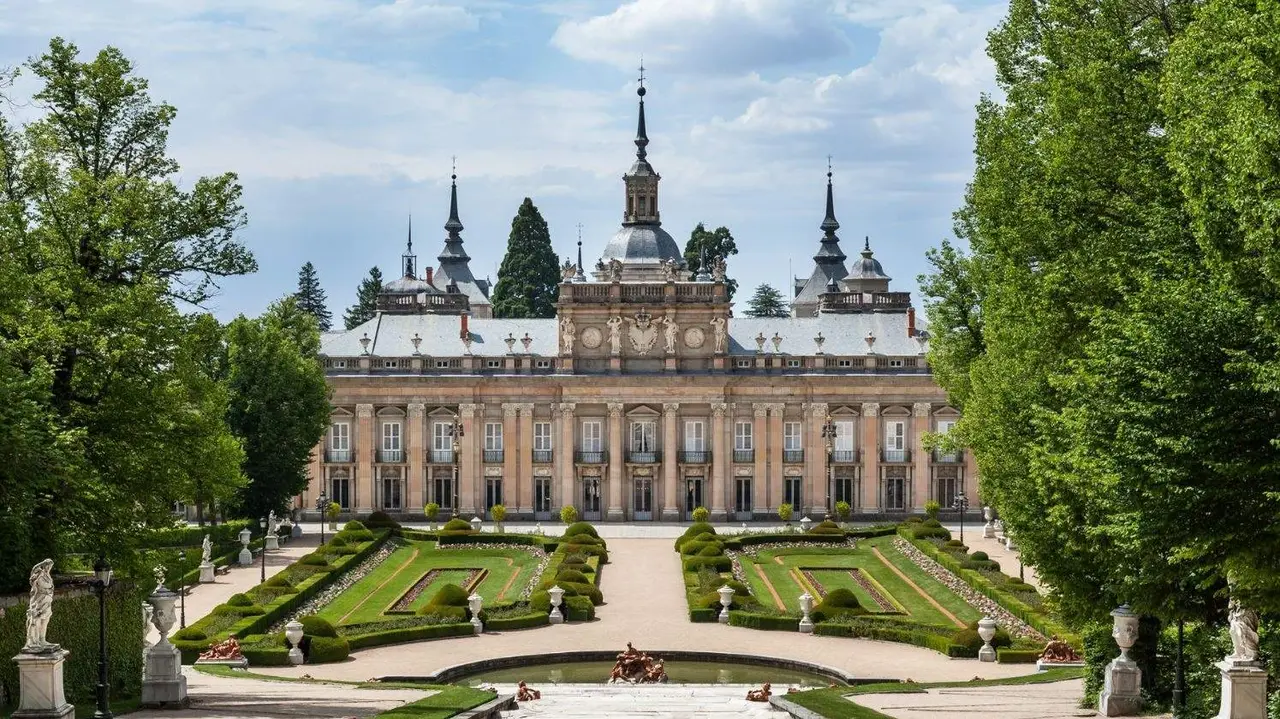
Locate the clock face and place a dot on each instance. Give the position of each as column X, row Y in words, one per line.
column 591, row 338
column 694, row 337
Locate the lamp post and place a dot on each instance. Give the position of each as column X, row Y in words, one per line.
column 828, row 440
column 102, row 579
column 265, row 525
column 960, row 504
column 456, row 433
column 182, row 589
column 322, row 506
column 1179, row 680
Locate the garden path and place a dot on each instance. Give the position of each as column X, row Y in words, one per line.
column 1058, row 700
column 645, row 604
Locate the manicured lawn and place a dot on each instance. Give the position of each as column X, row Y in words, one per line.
column 449, row 702
column 830, row 565
column 506, row 572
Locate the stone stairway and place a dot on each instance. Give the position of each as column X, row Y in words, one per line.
column 663, row 701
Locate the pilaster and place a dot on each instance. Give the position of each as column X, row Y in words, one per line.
column 362, row 501
column 617, row 460
column 870, row 448
column 721, row 460
column 510, row 457
column 469, row 457
column 773, row 441
column 564, row 449
column 817, row 470
column 415, row 482
column 526, row 460
column 670, row 512
column 760, row 441
column 920, row 479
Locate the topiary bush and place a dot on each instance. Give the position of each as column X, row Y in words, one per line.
column 338, row 541
column 570, row 575
column 582, row 539
column 839, row 602
column 713, row 549
column 280, row 582
column 316, row 626
column 450, row 595
column 568, row 514
column 701, row 514
column 694, row 530
column 581, row 528
column 315, row 560
column 498, row 512
column 784, row 511
column 826, row 526
column 979, row 556
column 931, row 508
column 380, row 520
column 457, row 524
column 240, row 600
column 190, row 634
column 353, row 525
column 355, row 535
column 328, row 649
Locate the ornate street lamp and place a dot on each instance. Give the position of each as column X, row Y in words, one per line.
column 960, row 504
column 182, row 589
column 102, row 579
column 322, row 506
column 828, row 440
column 456, row 433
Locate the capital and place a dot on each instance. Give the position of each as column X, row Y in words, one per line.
column 468, row 409
column 761, row 409
column 777, row 407
column 819, row 409
column 416, row 410
column 566, row 407
column 719, row 408
column 670, row 408
column 921, row 409
column 526, row 408
column 510, row 410
column 615, row 409
column 871, row 409
column 364, row 411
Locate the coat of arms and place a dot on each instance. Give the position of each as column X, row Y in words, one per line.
column 643, row 332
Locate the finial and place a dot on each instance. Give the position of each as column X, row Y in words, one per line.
column 866, row 243
column 579, row 276
column 828, row 169
column 641, row 90
column 453, row 225
column 453, row 175
column 829, row 223
column 411, row 233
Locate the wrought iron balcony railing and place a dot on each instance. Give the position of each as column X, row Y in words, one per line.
column 695, row 456
column 793, row 455
column 744, row 455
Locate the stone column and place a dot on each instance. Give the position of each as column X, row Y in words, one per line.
column 525, row 460
column 760, row 440
column 817, row 473
column 721, row 460
column 617, row 460
column 510, row 457
column 920, row 479
column 773, row 441
column 366, row 447
column 564, row 448
column 468, row 456
column 415, row 482
column 670, row 470
column 870, row 447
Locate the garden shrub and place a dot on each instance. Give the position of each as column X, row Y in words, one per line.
column 757, row 620
column 337, row 541
column 989, row 565
column 968, row 638
column 979, row 556
column 931, row 508
column 239, row 610
column 583, row 539
column 279, row 581
column 570, row 575
column 450, row 595
column 1006, row 655
column 707, row 537
column 955, row 544
column 190, row 634
column 328, row 649
column 701, row 514
column 568, row 514
column 355, row 535
column 453, row 614
column 457, row 524
column 575, row 558
column 353, row 525
column 932, row 522
column 381, row 520
column 839, row 602
column 240, row 600
column 720, row 563
column 696, row 529
column 540, row 601
column 592, row 550
column 578, row 567
column 581, row 528
column 578, row 609
column 714, row 549
column 914, row 519
column 314, row 560
column 316, row 626
column 344, row 551
column 924, row 530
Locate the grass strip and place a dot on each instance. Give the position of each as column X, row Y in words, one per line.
column 451, row 701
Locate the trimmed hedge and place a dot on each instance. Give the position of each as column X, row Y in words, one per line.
column 901, row 632
column 409, row 634
column 457, row 524
column 473, row 538
column 315, row 626
column 720, row 563
column 581, row 528
column 1007, row 655
column 328, row 649
column 783, row 538
column 524, row 621
column 775, row 622
column 578, row 609
column 186, row 536
column 879, row 530
column 381, row 520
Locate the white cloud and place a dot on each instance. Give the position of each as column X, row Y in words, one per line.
column 708, row 35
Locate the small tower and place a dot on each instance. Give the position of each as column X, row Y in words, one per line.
column 455, row 267
column 828, row 263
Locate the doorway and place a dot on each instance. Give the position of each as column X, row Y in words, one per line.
column 742, row 499
column 591, row 499
column 693, row 495
column 642, row 499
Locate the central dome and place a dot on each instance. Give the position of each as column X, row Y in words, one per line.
column 643, row 244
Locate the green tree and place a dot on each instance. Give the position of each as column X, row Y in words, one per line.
column 366, row 305
column 99, row 243
column 717, row 243
column 311, row 299
column 279, row 406
column 529, row 277
column 767, row 302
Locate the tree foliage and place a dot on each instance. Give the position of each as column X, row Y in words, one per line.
column 311, row 297
column 716, row 243
column 767, row 301
column 529, row 277
column 366, row 305
column 105, row 408
column 1101, row 336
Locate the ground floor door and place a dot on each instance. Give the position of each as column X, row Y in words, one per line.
column 442, row 492
column 791, row 494
column 845, row 490
column 542, row 498
column 492, row 494
column 392, row 494
column 591, row 499
column 340, row 492
column 642, row 499
column 693, row 495
column 895, row 494
column 742, row 498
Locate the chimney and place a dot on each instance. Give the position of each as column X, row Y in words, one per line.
column 911, row 322
column 463, row 331
column 430, row 272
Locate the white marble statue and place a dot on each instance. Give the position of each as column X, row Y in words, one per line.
column 1244, row 632
column 273, row 523
column 615, row 270
column 669, row 269
column 615, row 334
column 719, row 269
column 718, row 326
column 158, row 571
column 40, row 609
column 567, row 334
column 568, row 270
column 206, row 551
column 670, row 329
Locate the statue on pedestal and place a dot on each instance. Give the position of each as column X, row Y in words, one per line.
column 669, row 332
column 718, row 327
column 1244, row 632
column 615, row 335
column 719, row 269
column 636, row 667
column 567, row 335
column 40, row 609
column 273, row 523
column 206, row 550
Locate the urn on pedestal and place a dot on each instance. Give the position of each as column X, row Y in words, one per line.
column 162, row 682
column 474, row 603
column 806, row 606
column 246, row 557
column 726, row 599
column 293, row 635
column 987, row 631
column 557, row 596
column 1121, row 692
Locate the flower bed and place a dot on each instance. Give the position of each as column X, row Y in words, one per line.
column 342, row 584
column 870, row 588
column 406, row 600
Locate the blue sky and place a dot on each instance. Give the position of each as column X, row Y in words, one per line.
column 341, row 116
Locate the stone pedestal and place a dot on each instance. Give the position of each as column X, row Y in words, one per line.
column 989, row 530
column 1121, row 692
column 206, row 573
column 163, row 684
column 246, row 557
column 272, row 543
column 1244, row 690
column 40, row 690
column 296, row 531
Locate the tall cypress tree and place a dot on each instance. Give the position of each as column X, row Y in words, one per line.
column 366, row 305
column 530, row 273
column 311, row 298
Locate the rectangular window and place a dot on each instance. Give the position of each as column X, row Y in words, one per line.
column 644, row 437
column 340, row 436
column 895, row 363
column 390, row 364
column 391, row 436
column 542, row 364
column 493, row 364
column 791, row 439
column 442, row 489
column 742, row 439
column 791, row 493
column 340, row 492
column 392, row 494
column 338, row 364
column 542, row 436
column 742, row 363
column 592, row 436
column 441, row 437
column 895, row 435
column 442, row 364
column 695, row 435
column 794, row 363
column 844, row 363
column 844, row 436
column 493, row 436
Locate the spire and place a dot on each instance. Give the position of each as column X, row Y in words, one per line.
column 580, row 276
column 642, row 137
column 453, row 225
column 866, row 246
column 409, row 260
column 829, row 252
column 829, row 224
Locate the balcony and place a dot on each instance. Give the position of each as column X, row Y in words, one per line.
column 895, row 456
column 844, row 456
column 493, row 455
column 591, row 456
column 441, row 456
column 793, row 455
column 543, row 456
column 337, row 456
column 391, row 456
column 744, row 455
column 695, row 456
column 948, row 457
column 643, row 457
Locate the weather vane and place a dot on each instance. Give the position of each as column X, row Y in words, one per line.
column 455, row 166
column 828, row 165
column 642, row 71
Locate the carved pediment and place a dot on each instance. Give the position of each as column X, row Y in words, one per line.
column 643, row 412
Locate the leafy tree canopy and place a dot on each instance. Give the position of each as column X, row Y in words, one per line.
column 767, row 301
column 716, row 243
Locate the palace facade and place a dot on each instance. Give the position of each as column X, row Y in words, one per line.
column 644, row 398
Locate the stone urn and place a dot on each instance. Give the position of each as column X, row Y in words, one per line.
column 475, row 603
column 475, row 524
column 805, row 523
column 806, row 606
column 293, row 635
column 988, row 529
column 1122, row 683
column 726, row 599
column 557, row 596
column 246, row 557
column 162, row 681
column 987, row 631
